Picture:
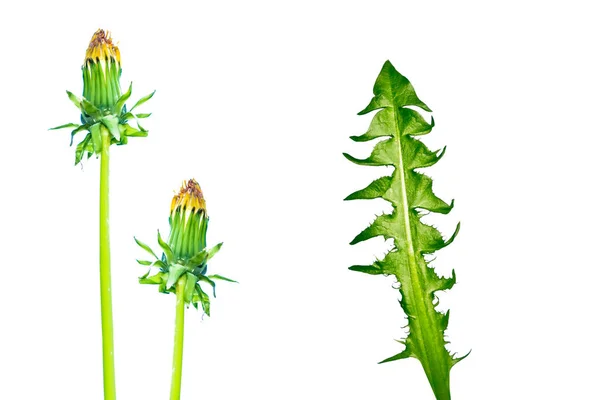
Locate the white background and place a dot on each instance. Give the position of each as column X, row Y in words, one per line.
column 256, row 100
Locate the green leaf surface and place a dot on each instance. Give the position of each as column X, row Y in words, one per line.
column 409, row 192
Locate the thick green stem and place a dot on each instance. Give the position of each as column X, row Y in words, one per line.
column 178, row 342
column 108, row 361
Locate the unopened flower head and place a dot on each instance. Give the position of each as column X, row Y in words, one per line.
column 102, row 71
column 188, row 221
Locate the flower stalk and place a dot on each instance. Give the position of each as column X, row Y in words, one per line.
column 108, row 360
column 178, row 340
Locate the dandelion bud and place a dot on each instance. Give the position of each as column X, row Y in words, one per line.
column 188, row 221
column 102, row 71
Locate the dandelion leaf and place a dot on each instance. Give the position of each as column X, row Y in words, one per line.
column 410, row 193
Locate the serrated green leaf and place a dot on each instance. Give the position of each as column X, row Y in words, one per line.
column 376, row 189
column 367, row 269
column 381, row 125
column 385, row 153
column 399, row 356
column 145, row 247
column 409, row 192
column 143, row 100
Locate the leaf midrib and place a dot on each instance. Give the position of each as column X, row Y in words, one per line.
column 415, row 278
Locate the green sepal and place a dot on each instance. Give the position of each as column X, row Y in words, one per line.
column 90, row 109
column 74, row 132
column 145, row 247
column 156, row 279
column 222, row 278
column 175, row 272
column 82, row 147
column 128, row 130
column 74, row 99
column 190, row 287
column 204, row 300
column 96, row 131
column 203, row 256
column 71, row 125
column 118, row 107
column 131, row 115
column 166, row 249
column 143, row 100
column 112, row 124
column 206, row 279
column 156, row 263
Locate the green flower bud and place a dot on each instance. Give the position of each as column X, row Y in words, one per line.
column 102, row 72
column 188, row 221
column 102, row 106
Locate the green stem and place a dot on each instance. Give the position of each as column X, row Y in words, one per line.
column 110, row 392
column 178, row 342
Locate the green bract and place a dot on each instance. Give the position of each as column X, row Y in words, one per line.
column 410, row 193
column 102, row 106
column 185, row 255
